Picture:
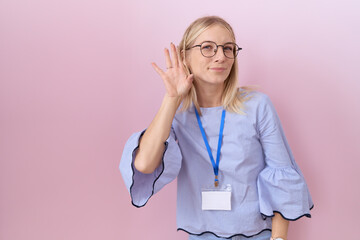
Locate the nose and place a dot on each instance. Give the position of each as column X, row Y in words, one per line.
column 219, row 54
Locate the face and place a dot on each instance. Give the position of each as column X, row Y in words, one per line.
column 213, row 70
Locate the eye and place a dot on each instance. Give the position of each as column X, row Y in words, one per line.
column 229, row 48
column 207, row 46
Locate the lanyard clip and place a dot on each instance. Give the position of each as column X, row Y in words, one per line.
column 216, row 182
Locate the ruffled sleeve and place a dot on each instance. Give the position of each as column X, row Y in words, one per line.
column 142, row 186
column 281, row 184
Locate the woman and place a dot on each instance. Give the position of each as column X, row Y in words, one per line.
column 237, row 178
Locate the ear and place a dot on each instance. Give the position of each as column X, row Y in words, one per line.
column 183, row 57
column 185, row 61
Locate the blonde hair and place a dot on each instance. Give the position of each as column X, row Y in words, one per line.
column 233, row 97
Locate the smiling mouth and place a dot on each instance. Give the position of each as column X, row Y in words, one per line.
column 218, row 69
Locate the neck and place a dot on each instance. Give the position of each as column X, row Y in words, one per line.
column 210, row 95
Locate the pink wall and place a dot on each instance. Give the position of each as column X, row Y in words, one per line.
column 76, row 81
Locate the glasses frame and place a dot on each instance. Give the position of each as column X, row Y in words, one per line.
column 217, row 47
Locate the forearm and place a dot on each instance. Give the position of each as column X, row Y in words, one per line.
column 151, row 147
column 279, row 227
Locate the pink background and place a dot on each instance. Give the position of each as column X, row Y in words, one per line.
column 76, row 81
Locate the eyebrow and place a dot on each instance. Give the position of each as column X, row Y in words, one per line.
column 214, row 42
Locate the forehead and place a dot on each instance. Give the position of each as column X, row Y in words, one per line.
column 216, row 33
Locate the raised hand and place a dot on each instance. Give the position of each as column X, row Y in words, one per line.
column 177, row 83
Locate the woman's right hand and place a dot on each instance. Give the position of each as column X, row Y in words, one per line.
column 176, row 82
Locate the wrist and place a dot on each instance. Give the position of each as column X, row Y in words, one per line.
column 173, row 100
column 277, row 238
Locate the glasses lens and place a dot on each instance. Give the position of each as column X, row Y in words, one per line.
column 208, row 49
column 230, row 50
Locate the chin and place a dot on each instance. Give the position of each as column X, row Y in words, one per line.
column 218, row 81
column 213, row 80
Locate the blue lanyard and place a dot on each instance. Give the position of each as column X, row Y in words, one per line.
column 215, row 165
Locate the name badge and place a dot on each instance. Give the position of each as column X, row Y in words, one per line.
column 216, row 198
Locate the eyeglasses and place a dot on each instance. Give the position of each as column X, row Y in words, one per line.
column 208, row 49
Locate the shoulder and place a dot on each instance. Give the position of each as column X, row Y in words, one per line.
column 254, row 98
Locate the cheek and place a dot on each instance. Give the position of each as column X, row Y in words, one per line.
column 197, row 66
column 201, row 68
column 230, row 67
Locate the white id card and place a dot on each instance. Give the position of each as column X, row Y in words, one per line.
column 216, row 199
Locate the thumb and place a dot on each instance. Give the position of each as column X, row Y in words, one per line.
column 190, row 78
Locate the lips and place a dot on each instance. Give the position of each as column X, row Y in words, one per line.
column 218, row 69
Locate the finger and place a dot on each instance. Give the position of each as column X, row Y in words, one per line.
column 174, row 55
column 189, row 81
column 167, row 58
column 157, row 69
column 178, row 55
column 190, row 78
